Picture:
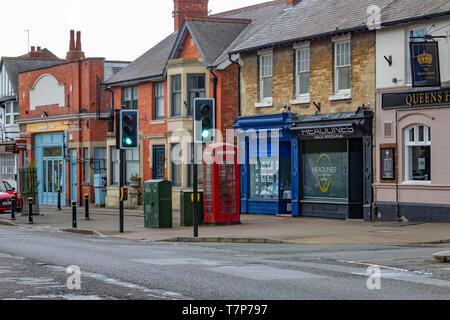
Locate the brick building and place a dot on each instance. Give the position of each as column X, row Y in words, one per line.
column 309, row 82
column 10, row 67
column 60, row 111
column 308, row 78
column 163, row 82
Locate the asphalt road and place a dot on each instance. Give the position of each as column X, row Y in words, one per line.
column 33, row 265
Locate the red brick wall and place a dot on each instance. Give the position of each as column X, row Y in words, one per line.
column 190, row 50
column 82, row 76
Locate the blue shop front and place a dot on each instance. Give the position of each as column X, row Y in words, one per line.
column 313, row 165
column 268, row 152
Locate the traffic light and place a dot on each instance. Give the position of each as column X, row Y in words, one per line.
column 204, row 120
column 129, row 129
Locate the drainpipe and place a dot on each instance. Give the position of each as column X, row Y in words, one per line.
column 214, row 81
column 111, row 117
column 397, row 205
column 238, row 82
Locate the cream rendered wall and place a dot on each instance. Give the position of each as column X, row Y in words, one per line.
column 394, row 42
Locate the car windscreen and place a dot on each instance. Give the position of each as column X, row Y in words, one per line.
column 5, row 186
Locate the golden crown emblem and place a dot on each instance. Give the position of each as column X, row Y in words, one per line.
column 425, row 59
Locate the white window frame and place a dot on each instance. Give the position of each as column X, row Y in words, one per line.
column 11, row 114
column 416, row 143
column 336, row 67
column 408, row 52
column 267, row 100
column 306, row 96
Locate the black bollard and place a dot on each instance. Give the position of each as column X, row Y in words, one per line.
column 74, row 214
column 13, row 207
column 86, row 207
column 59, row 199
column 30, row 210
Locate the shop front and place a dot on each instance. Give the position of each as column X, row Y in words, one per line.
column 335, row 164
column 268, row 153
column 49, row 152
column 413, row 175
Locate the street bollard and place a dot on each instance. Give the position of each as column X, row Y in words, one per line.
column 13, row 207
column 30, row 210
column 59, row 199
column 86, row 207
column 74, row 214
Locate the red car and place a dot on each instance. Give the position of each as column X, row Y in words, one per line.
column 6, row 192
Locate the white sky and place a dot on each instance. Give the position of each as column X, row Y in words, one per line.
column 114, row 29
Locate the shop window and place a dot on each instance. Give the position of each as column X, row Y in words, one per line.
column 418, row 154
column 265, row 72
column 11, row 113
column 176, row 96
column 176, row 165
column 342, row 65
column 159, row 101
column 270, row 170
column 196, row 89
column 131, row 167
column 99, row 160
column 303, row 58
column 325, row 171
column 130, row 97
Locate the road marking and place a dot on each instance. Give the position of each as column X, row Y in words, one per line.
column 177, row 261
column 260, row 272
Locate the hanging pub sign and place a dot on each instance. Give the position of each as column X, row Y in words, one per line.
column 425, row 64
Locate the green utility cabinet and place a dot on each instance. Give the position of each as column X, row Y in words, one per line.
column 187, row 208
column 158, row 204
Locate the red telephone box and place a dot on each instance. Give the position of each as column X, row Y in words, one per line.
column 221, row 187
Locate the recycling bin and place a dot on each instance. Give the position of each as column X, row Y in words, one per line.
column 158, row 204
column 187, row 208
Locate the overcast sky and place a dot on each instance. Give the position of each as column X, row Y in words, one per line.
column 114, row 29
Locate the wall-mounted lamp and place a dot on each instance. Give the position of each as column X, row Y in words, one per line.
column 318, row 106
column 389, row 60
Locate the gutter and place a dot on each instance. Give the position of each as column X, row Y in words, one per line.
column 238, row 82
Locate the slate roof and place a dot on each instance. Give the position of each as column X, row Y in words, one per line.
column 312, row 18
column 215, row 39
column 215, row 36
column 14, row 66
column 150, row 65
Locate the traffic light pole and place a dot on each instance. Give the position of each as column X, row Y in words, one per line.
column 195, row 178
column 121, row 190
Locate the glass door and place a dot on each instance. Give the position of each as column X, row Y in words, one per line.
column 52, row 180
column 159, row 159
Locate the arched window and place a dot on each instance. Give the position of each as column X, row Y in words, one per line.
column 418, row 153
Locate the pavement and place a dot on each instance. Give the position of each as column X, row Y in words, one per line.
column 253, row 228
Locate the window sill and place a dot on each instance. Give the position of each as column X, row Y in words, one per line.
column 268, row 103
column 341, row 95
column 301, row 99
column 158, row 121
column 416, row 182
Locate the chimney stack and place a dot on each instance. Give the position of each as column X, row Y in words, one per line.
column 38, row 49
column 75, row 52
column 184, row 9
column 33, row 48
column 291, row 3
